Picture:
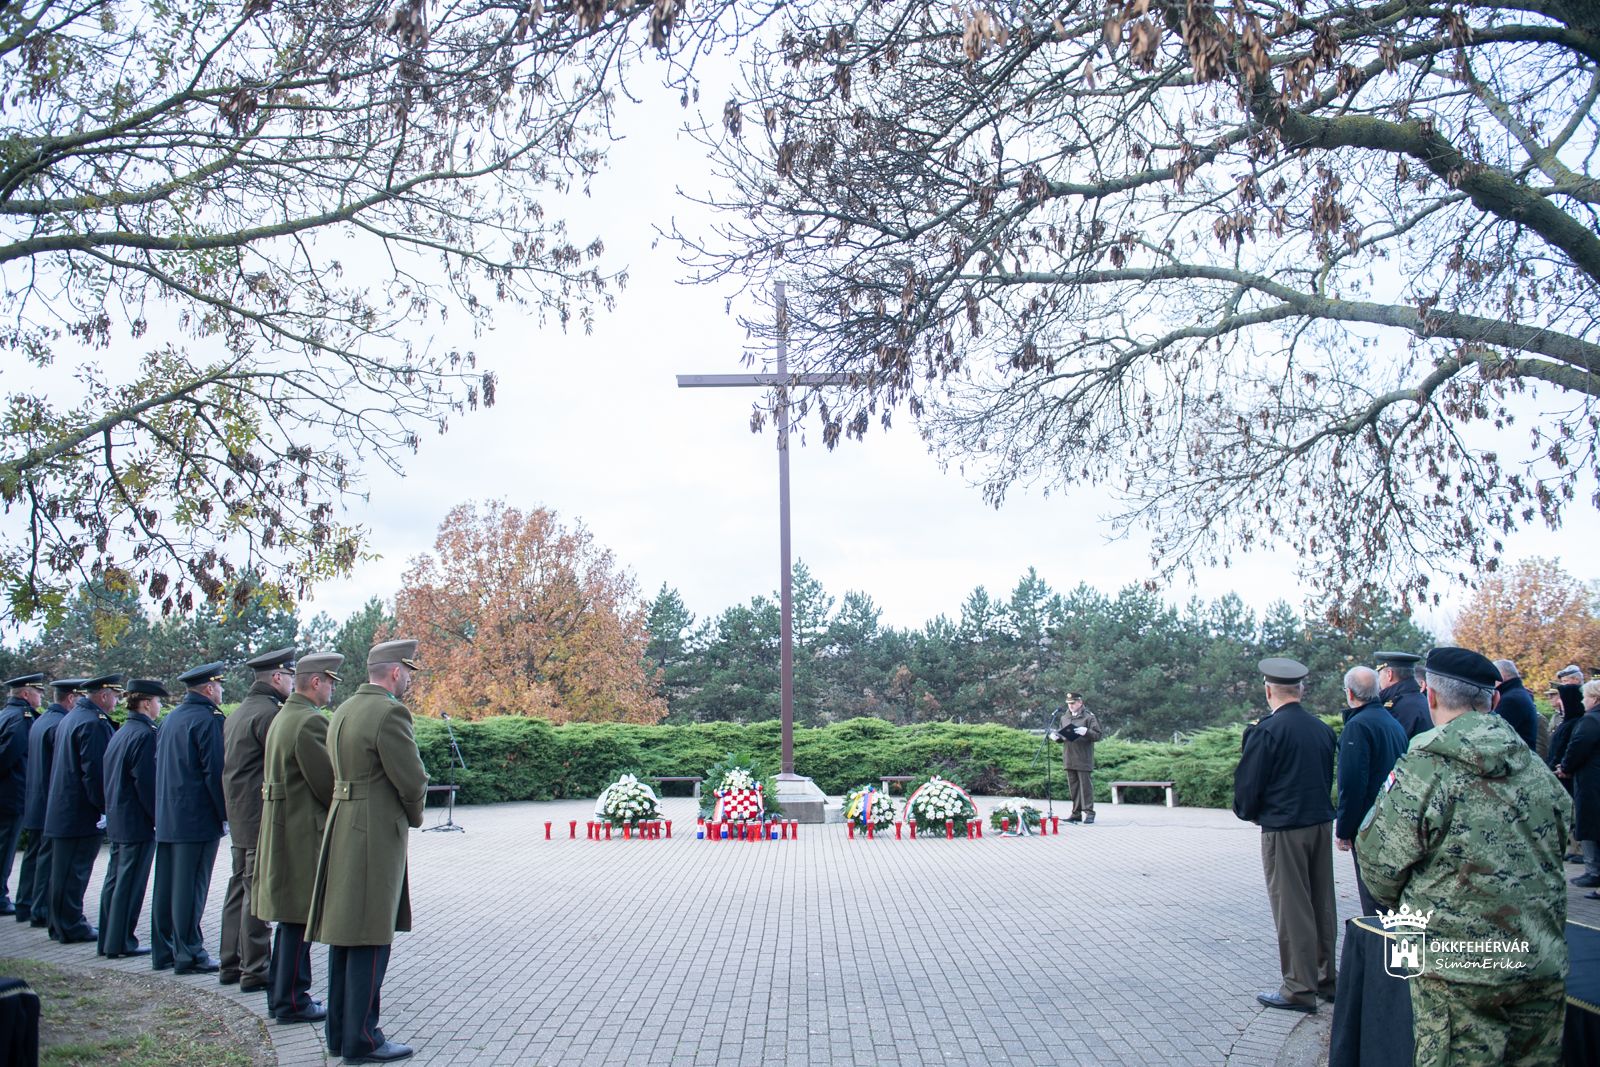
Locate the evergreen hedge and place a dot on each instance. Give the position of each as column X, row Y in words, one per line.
column 513, row 758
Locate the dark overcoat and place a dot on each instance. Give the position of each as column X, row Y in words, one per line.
column 1284, row 780
column 15, row 720
column 362, row 893
column 296, row 790
column 1516, row 707
column 1582, row 762
column 131, row 781
column 1369, row 746
column 41, row 761
column 1409, row 705
column 189, row 804
column 244, row 745
column 77, row 781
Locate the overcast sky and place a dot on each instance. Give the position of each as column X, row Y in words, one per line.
column 673, row 481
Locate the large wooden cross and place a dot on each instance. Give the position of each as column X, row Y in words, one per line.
column 781, row 382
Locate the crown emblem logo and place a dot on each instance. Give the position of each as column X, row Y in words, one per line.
column 1405, row 919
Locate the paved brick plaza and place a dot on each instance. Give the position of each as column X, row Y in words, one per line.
column 1141, row 939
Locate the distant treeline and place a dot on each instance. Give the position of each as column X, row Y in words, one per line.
column 1149, row 669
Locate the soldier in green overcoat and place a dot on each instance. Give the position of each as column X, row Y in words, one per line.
column 296, row 789
column 1467, row 833
column 361, row 895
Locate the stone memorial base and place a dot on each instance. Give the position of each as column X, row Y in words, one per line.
column 801, row 799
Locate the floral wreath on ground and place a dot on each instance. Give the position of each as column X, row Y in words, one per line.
column 627, row 800
column 938, row 801
column 735, row 775
column 856, row 807
column 1017, row 813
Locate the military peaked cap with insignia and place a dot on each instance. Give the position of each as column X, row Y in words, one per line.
column 27, row 681
column 1074, row 696
column 105, row 681
column 1464, row 665
column 147, row 687
column 1280, row 670
column 279, row 659
column 210, row 672
column 1398, row 659
column 319, row 663
column 64, row 686
column 403, row 652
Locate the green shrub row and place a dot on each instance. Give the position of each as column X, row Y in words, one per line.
column 514, row 758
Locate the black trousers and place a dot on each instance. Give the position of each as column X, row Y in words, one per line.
column 355, row 980
column 1369, row 906
column 289, row 971
column 39, row 902
column 122, row 896
column 28, row 873
column 71, row 864
column 183, row 880
column 10, row 830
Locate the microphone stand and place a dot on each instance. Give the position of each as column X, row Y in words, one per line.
column 1044, row 754
column 450, row 825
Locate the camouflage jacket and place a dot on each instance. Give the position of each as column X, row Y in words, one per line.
column 1470, row 827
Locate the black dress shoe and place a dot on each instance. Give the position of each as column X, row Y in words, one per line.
column 1273, row 1000
column 40, row 923
column 384, row 1053
column 251, row 985
column 160, row 966
column 202, row 967
column 1073, row 818
column 8, row 908
column 141, row 951
column 80, row 939
column 314, row 1014
column 23, row 915
column 1088, row 819
column 228, row 978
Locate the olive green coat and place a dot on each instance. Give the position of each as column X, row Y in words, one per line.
column 295, row 793
column 362, row 894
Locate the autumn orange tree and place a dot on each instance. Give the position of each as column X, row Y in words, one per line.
column 1536, row 615
column 521, row 615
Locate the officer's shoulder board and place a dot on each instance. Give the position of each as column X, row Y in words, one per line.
column 1389, row 704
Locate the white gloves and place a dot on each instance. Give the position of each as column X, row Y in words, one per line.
column 101, row 825
column 1080, row 730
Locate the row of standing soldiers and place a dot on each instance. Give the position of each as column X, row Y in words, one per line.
column 316, row 810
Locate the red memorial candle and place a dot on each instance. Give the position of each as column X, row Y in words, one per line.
column 547, row 831
column 949, row 829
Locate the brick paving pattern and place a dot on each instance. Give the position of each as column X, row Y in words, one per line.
column 1139, row 940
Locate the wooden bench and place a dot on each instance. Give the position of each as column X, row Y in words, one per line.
column 1118, row 787
column 663, row 779
column 888, row 780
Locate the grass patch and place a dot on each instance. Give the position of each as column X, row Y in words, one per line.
column 93, row 1018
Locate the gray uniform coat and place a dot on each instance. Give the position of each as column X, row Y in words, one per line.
column 362, row 893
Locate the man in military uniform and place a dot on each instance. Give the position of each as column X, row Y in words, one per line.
column 361, row 895
column 1468, row 831
column 1077, row 729
column 1400, row 692
column 35, row 878
column 190, row 814
column 1283, row 784
column 295, row 795
column 130, row 819
column 76, row 814
column 245, row 938
column 1372, row 740
column 15, row 720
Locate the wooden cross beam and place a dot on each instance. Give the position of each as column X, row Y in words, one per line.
column 782, row 382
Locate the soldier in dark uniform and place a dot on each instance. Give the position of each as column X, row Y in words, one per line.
column 295, row 794
column 362, row 892
column 189, row 822
column 1283, row 783
column 130, row 819
column 245, row 938
column 1400, row 692
column 75, row 818
column 15, row 720
column 1372, row 740
column 35, row 881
